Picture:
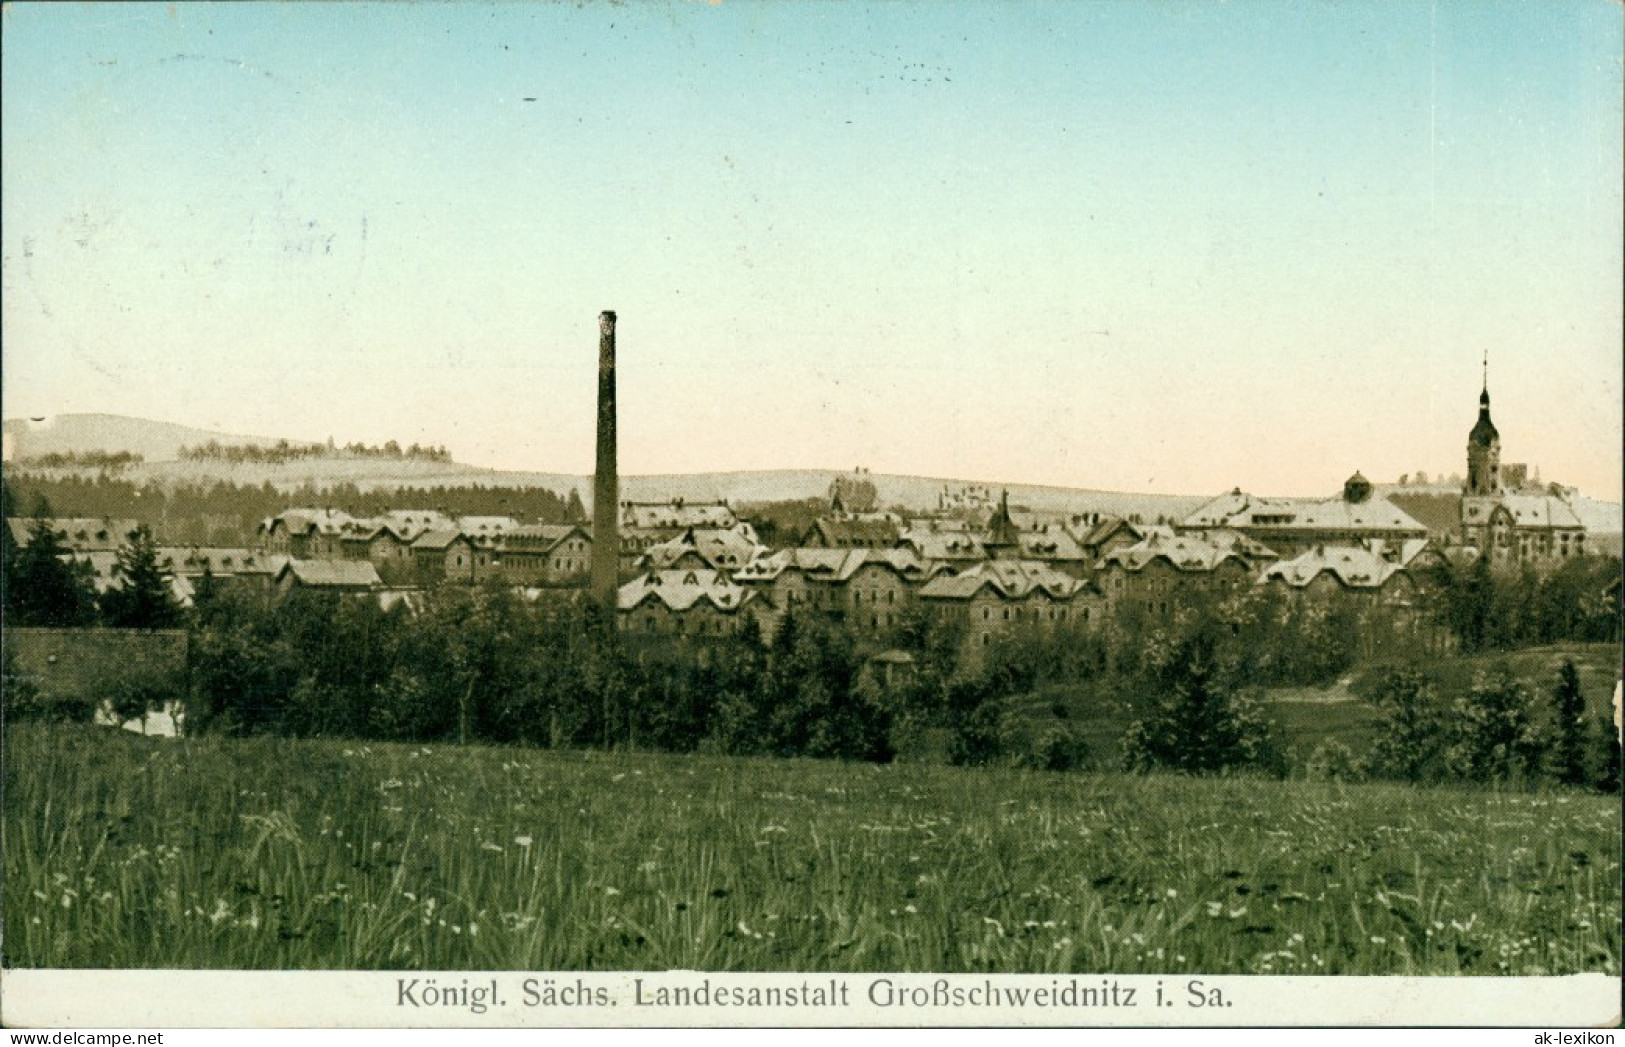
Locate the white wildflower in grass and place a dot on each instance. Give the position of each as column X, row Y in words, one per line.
column 611, row 891
column 1172, row 893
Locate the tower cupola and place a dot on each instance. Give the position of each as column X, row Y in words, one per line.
column 1483, row 449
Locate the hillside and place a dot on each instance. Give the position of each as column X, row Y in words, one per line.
column 1338, row 711
column 78, row 433
column 159, row 442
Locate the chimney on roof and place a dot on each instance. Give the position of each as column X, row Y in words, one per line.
column 605, row 483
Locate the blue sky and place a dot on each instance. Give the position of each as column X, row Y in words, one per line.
column 1151, row 246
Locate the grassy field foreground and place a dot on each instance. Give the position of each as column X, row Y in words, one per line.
column 122, row 851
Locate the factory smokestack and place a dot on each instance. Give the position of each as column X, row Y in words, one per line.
column 606, row 545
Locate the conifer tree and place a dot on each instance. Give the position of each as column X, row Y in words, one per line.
column 1568, row 748
column 45, row 586
column 142, row 599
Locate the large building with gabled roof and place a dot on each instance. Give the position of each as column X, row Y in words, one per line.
column 1516, row 525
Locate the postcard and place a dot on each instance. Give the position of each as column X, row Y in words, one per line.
column 756, row 513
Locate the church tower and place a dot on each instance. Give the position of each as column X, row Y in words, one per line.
column 1484, row 448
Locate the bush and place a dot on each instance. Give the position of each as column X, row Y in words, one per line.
column 1194, row 724
column 1057, row 748
column 1498, row 736
column 1332, row 761
column 1411, row 729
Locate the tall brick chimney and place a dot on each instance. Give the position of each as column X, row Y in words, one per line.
column 606, row 545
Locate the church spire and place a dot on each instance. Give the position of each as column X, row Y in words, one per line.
column 1484, row 445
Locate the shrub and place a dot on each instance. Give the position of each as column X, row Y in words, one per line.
column 1194, row 723
column 1498, row 737
column 1411, row 729
column 1056, row 748
column 1332, row 761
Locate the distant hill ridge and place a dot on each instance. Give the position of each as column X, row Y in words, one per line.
column 78, row 433
column 159, row 443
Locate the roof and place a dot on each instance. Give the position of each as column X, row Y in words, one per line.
column 1438, row 511
column 1540, row 510
column 303, row 521
column 1009, row 579
column 1238, row 509
column 677, row 514
column 484, row 530
column 833, row 565
column 79, row 533
column 220, row 561
column 407, row 524
column 540, row 536
column 720, row 548
column 1354, row 566
column 1183, row 552
column 440, row 538
column 850, row 533
column 332, row 574
column 1236, row 542
column 1483, row 432
column 1052, row 543
column 1001, row 529
column 681, row 590
column 1096, row 536
column 946, row 546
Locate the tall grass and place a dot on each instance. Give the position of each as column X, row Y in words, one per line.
column 122, row 851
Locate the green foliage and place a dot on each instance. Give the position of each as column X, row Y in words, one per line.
column 1411, row 732
column 1498, row 736
column 1191, row 721
column 284, row 854
column 228, row 513
column 780, row 524
column 812, row 700
column 130, row 691
column 1487, row 609
column 1568, row 748
column 45, row 586
column 141, row 597
column 20, row 692
column 1332, row 761
column 575, row 512
column 1605, row 744
column 1056, row 746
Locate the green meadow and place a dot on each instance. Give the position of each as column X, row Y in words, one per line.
column 122, row 851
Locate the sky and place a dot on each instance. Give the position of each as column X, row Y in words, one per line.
column 1145, row 246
